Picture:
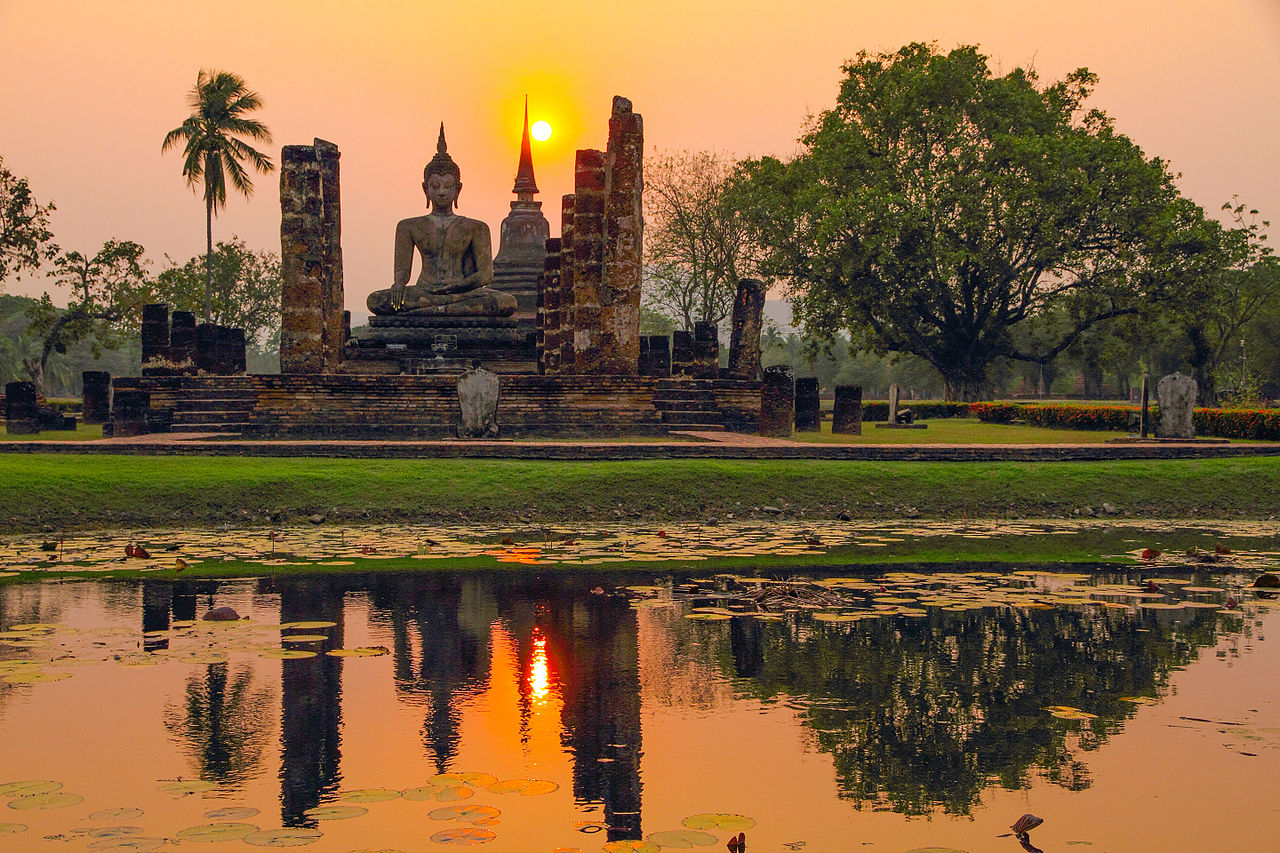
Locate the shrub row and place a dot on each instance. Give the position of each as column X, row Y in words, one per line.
column 1263, row 424
column 878, row 410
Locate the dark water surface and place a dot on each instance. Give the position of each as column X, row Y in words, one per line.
column 910, row 713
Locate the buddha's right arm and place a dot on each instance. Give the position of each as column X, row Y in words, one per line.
column 404, row 254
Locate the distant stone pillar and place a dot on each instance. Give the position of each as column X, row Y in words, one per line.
column 588, row 258
column 95, row 396
column 568, row 315
column 310, row 259
column 659, row 356
column 682, row 353
column 1177, row 398
column 21, row 411
column 706, row 350
column 623, row 238
column 129, row 412
column 846, row 418
column 744, row 337
column 808, row 405
column 155, row 339
column 1144, row 415
column 894, row 395
column 182, row 342
column 549, row 309
column 777, row 402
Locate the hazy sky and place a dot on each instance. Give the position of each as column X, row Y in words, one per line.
column 88, row 89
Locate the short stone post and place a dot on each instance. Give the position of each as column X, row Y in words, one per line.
column 659, row 356
column 155, row 339
column 846, row 418
column 182, row 342
column 129, row 412
column 808, row 405
column 95, row 396
column 207, row 349
column 1177, row 396
column 706, row 350
column 21, row 411
column 894, row 394
column 1144, row 416
column 744, row 337
column 777, row 402
column 682, row 359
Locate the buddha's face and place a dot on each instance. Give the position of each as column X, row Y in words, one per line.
column 442, row 191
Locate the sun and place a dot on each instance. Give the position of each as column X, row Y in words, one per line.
column 541, row 131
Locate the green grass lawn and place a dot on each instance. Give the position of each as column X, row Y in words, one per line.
column 959, row 431
column 71, row 491
column 82, row 432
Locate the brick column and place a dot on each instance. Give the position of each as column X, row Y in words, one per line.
column 744, row 337
column 549, row 309
column 21, row 411
column 706, row 350
column 95, row 396
column 682, row 353
column 623, row 236
column 310, row 259
column 808, row 405
column 588, row 258
column 846, row 418
column 567, row 313
column 155, row 339
column 777, row 402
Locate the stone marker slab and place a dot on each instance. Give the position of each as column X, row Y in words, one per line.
column 478, row 401
column 1177, row 397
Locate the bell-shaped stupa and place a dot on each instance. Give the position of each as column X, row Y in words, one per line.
column 522, row 245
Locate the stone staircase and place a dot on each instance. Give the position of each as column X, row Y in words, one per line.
column 688, row 404
column 211, row 409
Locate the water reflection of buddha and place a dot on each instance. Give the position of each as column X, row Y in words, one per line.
column 455, row 252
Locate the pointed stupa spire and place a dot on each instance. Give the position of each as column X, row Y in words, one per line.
column 441, row 147
column 526, row 186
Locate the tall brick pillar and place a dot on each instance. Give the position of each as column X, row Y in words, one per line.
column 744, row 336
column 310, row 259
column 549, row 309
column 623, row 237
column 567, row 313
column 588, row 258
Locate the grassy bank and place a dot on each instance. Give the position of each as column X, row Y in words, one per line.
column 78, row 492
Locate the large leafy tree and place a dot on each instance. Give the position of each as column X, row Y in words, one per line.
column 246, row 287
column 697, row 244
column 213, row 152
column 108, row 290
column 25, row 238
column 937, row 206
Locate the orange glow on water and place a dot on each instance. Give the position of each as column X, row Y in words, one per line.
column 539, row 673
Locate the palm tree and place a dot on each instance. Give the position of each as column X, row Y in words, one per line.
column 212, row 151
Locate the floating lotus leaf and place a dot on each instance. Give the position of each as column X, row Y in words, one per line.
column 361, row 652
column 937, row 850
column 114, row 831
column 12, row 828
column 527, row 787
column 34, row 677
column 708, row 617
column 378, row 849
column 133, row 842
column 369, row 795
column 232, row 813
column 718, row 821
column 288, row 654
column 335, row 812
column 467, row 813
column 304, row 638
column 22, row 789
column 55, row 800
column 682, row 838
column 479, row 780
column 210, row 832
column 306, row 626
column 445, row 792
column 296, row 837
column 466, row 836
column 35, row 626
column 193, row 786
column 630, row 846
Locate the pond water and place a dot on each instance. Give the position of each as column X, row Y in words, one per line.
column 530, row 710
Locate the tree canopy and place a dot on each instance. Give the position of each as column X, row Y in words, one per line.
column 25, row 238
column 245, row 294
column 937, row 206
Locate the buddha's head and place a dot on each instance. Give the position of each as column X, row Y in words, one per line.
column 441, row 179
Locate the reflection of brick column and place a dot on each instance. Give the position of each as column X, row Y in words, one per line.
column 310, row 259
column 588, row 258
column 623, row 234
column 549, row 309
column 567, row 313
column 744, row 336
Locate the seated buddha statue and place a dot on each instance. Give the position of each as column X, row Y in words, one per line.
column 455, row 251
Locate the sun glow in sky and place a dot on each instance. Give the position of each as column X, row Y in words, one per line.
column 540, row 130
column 91, row 88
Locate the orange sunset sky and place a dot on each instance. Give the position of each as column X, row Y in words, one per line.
column 88, row 90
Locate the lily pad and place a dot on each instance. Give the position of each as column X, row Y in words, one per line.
column 55, row 800
column 283, row 837
column 193, row 786
column 34, row 677
column 335, row 812
column 719, row 821
column 306, row 626
column 527, row 787
column 12, row 828
column 467, row 813
column 23, row 789
column 116, row 814
column 466, row 836
column 480, row 780
column 369, row 795
column 362, row 652
column 114, row 831
column 133, row 842
column 287, row 654
column 444, row 792
column 210, row 832
column 630, row 846
column 304, row 638
column 682, row 838
column 232, row 813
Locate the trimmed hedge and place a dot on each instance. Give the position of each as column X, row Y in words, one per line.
column 923, row 409
column 1261, row 424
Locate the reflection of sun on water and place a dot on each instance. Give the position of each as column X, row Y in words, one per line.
column 539, row 679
